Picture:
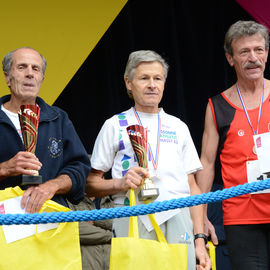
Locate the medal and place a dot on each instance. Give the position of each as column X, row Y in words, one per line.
column 255, row 132
column 153, row 159
column 254, row 150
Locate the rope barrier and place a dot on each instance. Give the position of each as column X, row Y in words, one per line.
column 118, row 212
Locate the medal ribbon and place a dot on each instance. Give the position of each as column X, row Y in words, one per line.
column 154, row 160
column 246, row 113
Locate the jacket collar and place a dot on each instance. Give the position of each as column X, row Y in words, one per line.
column 47, row 112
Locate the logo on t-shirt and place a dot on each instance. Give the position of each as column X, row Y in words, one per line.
column 168, row 136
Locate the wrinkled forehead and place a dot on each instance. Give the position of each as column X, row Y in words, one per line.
column 26, row 56
column 248, row 42
column 246, row 39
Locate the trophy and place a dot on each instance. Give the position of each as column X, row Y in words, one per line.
column 138, row 138
column 29, row 119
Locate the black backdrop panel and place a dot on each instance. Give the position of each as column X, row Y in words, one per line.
column 188, row 34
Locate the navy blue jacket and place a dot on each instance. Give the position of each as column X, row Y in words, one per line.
column 59, row 149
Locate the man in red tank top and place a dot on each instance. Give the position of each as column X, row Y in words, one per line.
column 232, row 119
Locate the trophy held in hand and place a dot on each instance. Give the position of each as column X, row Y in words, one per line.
column 138, row 138
column 29, row 119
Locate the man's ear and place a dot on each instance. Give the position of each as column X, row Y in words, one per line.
column 7, row 78
column 127, row 82
column 229, row 59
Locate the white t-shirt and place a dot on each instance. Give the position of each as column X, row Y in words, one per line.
column 177, row 154
column 14, row 118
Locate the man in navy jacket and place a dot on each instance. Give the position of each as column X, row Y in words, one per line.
column 59, row 156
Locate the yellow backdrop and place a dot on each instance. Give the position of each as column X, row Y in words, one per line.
column 64, row 31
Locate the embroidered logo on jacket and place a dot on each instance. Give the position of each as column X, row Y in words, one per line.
column 55, row 147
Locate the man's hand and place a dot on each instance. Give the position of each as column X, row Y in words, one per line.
column 21, row 163
column 209, row 230
column 132, row 179
column 203, row 260
column 35, row 196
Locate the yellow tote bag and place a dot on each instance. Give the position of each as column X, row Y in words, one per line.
column 53, row 249
column 128, row 253
column 212, row 254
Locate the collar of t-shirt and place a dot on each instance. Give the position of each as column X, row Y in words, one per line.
column 14, row 118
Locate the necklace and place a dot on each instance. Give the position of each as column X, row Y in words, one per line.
column 246, row 113
column 154, row 160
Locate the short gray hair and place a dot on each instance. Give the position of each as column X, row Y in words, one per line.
column 142, row 56
column 244, row 29
column 8, row 60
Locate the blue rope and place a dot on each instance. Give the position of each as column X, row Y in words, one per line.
column 118, row 212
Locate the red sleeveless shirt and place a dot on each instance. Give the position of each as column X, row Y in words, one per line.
column 235, row 148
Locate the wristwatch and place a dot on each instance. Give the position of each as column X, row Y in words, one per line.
column 201, row 235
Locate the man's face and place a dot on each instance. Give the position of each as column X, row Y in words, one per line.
column 249, row 57
column 147, row 86
column 25, row 77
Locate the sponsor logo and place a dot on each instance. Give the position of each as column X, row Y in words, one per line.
column 30, row 113
column 259, row 142
column 168, row 136
column 2, row 209
column 241, row 132
column 185, row 238
column 134, row 133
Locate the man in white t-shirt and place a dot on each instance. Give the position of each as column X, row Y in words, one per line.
column 172, row 163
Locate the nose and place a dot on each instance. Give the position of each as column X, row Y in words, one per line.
column 152, row 83
column 29, row 72
column 252, row 56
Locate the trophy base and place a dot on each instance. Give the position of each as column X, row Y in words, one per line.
column 31, row 180
column 148, row 194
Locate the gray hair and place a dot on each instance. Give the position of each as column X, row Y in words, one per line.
column 138, row 57
column 8, row 60
column 244, row 29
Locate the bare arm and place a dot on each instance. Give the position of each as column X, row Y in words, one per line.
column 210, row 142
column 196, row 213
column 97, row 186
column 206, row 176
